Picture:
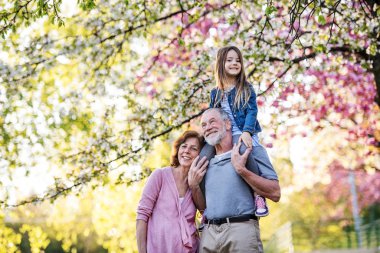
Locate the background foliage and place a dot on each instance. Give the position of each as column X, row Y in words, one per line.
column 92, row 93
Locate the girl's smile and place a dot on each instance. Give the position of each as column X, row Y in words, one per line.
column 232, row 64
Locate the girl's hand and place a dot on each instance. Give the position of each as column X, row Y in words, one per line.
column 246, row 138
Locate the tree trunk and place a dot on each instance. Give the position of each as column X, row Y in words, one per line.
column 376, row 58
column 376, row 72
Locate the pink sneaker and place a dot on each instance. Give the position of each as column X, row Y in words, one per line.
column 262, row 209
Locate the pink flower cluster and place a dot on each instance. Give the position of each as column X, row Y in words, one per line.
column 339, row 189
column 344, row 96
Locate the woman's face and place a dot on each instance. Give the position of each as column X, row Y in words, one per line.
column 188, row 151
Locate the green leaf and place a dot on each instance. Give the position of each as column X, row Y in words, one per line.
column 372, row 49
column 60, row 23
column 181, row 42
column 87, row 5
column 321, row 19
column 270, row 10
column 320, row 48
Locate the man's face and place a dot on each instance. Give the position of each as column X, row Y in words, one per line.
column 213, row 127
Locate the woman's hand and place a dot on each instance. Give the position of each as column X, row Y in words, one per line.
column 194, row 178
column 197, row 171
column 246, row 138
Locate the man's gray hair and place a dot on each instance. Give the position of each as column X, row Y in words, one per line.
column 221, row 112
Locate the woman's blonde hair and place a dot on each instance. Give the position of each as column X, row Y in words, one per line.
column 243, row 93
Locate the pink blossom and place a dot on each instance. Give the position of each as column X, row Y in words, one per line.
column 269, row 145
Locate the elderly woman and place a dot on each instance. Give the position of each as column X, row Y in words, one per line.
column 166, row 211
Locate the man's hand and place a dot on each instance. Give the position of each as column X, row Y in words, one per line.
column 247, row 139
column 239, row 161
column 267, row 188
column 197, row 172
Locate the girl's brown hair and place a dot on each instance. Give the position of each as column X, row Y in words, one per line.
column 177, row 143
column 243, row 93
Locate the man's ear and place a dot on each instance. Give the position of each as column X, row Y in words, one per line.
column 228, row 125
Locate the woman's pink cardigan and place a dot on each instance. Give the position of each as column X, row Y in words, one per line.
column 171, row 225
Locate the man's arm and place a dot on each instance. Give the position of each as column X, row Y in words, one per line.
column 265, row 187
column 195, row 176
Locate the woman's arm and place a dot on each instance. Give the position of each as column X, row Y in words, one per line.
column 196, row 173
column 149, row 196
column 145, row 208
column 198, row 198
column 141, row 232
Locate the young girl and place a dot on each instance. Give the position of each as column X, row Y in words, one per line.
column 237, row 97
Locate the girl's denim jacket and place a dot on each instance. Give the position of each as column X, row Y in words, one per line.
column 246, row 117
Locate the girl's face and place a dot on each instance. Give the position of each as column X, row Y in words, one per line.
column 233, row 64
column 188, row 151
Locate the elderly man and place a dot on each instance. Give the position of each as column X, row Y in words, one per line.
column 230, row 224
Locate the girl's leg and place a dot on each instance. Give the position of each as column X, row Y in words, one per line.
column 258, row 160
column 259, row 163
column 209, row 152
column 267, row 171
column 265, row 166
